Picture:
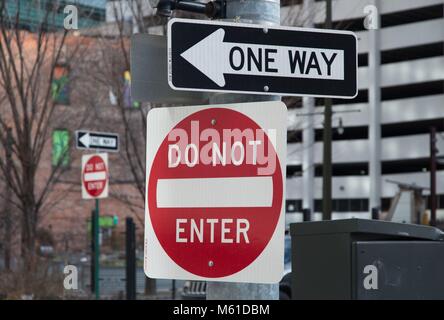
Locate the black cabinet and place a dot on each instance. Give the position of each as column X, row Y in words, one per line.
column 329, row 260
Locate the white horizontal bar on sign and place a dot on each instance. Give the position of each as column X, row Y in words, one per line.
column 215, row 192
column 95, row 176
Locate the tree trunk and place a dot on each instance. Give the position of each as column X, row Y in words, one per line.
column 7, row 212
column 28, row 242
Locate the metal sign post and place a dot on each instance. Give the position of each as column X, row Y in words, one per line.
column 96, row 251
column 95, row 181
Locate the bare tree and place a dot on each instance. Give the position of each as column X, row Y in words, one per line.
column 28, row 62
column 112, row 71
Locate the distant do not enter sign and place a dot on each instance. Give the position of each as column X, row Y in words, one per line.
column 95, row 176
column 215, row 192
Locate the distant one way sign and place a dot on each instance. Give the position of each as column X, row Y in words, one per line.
column 97, row 140
column 244, row 58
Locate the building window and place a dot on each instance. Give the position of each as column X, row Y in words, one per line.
column 318, row 205
column 385, row 204
column 439, row 202
column 49, row 6
column 345, row 205
column 92, row 13
column 60, row 148
column 294, row 206
column 60, row 85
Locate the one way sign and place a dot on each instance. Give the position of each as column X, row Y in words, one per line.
column 97, row 140
column 243, row 58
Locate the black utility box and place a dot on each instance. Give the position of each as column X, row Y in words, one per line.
column 329, row 260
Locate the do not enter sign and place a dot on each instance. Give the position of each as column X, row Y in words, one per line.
column 95, row 176
column 215, row 188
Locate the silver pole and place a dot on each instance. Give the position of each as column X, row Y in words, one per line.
column 263, row 12
column 374, row 99
column 308, row 138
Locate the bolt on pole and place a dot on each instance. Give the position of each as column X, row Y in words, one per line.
column 266, row 13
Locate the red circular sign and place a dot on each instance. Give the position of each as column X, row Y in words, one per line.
column 95, row 176
column 216, row 241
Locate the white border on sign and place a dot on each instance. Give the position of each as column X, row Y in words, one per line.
column 245, row 25
column 269, row 265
